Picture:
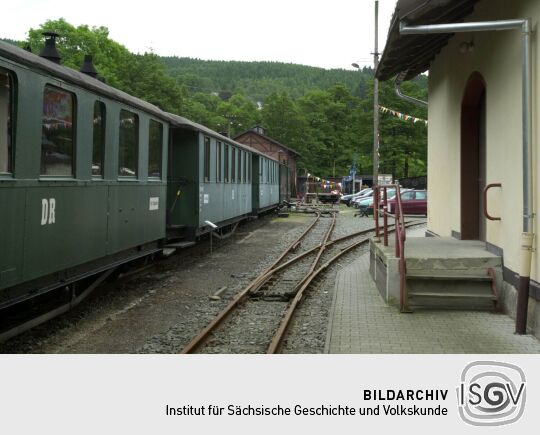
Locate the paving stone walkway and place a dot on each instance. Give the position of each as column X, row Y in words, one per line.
column 361, row 322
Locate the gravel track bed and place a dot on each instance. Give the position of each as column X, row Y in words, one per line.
column 253, row 324
column 308, row 329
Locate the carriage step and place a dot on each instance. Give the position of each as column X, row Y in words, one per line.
column 176, row 227
column 180, row 245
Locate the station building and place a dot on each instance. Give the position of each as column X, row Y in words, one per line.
column 483, row 129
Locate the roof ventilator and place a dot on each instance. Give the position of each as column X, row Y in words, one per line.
column 49, row 51
column 88, row 67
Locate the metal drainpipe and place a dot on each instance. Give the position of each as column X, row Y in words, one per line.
column 397, row 84
column 527, row 236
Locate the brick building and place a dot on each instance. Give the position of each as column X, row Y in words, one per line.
column 257, row 138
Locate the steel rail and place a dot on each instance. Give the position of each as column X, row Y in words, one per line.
column 322, row 248
column 256, row 283
column 198, row 340
column 293, row 260
column 254, row 286
column 294, row 244
column 282, row 329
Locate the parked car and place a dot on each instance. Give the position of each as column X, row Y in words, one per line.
column 412, row 202
column 348, row 199
column 365, row 205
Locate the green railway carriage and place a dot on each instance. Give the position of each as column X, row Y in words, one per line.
column 82, row 175
column 215, row 179
column 91, row 178
column 265, row 193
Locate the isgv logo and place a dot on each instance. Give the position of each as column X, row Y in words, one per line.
column 491, row 393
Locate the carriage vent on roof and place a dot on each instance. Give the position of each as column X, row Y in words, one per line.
column 88, row 67
column 49, row 51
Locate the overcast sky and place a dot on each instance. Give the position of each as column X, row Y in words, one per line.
column 328, row 34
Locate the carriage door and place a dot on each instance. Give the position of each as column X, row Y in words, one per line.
column 473, row 159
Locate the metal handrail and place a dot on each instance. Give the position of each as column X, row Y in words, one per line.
column 400, row 234
column 486, row 214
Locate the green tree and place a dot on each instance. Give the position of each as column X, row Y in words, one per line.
column 284, row 122
column 236, row 115
column 403, row 144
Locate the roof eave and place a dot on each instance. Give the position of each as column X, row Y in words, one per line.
column 414, row 53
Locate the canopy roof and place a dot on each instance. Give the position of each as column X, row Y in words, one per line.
column 414, row 53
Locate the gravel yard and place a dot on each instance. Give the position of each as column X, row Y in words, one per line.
column 160, row 310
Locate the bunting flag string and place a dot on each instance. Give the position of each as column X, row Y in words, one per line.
column 402, row 116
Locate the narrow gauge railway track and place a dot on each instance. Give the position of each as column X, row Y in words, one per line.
column 272, row 297
column 257, row 283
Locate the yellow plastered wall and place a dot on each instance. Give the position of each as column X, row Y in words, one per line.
column 497, row 56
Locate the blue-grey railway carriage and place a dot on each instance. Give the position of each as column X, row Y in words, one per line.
column 215, row 179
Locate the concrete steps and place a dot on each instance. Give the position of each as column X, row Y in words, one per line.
column 442, row 273
column 452, row 290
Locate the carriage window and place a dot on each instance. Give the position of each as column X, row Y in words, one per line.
column 226, row 164
column 421, row 195
column 128, row 146
column 218, row 162
column 206, row 159
column 245, row 166
column 155, row 146
column 6, row 119
column 239, row 167
column 57, row 133
column 98, row 147
column 233, row 165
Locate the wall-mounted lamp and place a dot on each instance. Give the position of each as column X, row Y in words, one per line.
column 466, row 47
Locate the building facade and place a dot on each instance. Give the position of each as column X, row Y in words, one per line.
column 257, row 138
column 478, row 119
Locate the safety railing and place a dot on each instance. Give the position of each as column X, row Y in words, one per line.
column 382, row 193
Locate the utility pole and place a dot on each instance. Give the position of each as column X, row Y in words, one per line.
column 376, row 100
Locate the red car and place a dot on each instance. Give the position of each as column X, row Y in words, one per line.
column 412, row 201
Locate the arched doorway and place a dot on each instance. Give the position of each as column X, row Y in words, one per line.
column 473, row 158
